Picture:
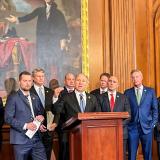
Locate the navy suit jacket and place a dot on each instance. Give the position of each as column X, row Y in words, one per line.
column 121, row 105
column 146, row 112
column 17, row 113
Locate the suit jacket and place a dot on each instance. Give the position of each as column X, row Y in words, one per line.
column 51, row 31
column 18, row 112
column 146, row 113
column 1, row 113
column 70, row 107
column 157, row 128
column 96, row 92
column 121, row 105
column 48, row 102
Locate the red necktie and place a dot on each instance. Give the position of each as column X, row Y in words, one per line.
column 112, row 102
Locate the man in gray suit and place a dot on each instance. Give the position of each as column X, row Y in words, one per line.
column 22, row 108
column 113, row 101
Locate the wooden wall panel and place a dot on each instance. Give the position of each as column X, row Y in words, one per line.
column 122, row 40
column 95, row 50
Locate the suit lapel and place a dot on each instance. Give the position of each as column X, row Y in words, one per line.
column 75, row 102
column 106, row 103
column 23, row 98
column 133, row 95
column 88, row 100
column 117, row 101
column 143, row 94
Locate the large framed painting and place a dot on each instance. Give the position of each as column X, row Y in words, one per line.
column 52, row 37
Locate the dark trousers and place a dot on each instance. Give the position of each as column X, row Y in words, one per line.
column 134, row 136
column 124, row 148
column 63, row 146
column 33, row 148
column 47, row 139
column 158, row 149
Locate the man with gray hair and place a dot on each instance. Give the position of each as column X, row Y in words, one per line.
column 45, row 95
column 144, row 116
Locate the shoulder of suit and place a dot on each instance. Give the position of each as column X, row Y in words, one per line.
column 95, row 91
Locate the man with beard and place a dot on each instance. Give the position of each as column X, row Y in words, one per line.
column 22, row 108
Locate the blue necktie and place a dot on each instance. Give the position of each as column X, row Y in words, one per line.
column 41, row 96
column 82, row 103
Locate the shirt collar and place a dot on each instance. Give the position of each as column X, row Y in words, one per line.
column 103, row 90
column 141, row 88
column 78, row 93
column 114, row 93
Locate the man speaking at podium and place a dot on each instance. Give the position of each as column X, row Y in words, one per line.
column 76, row 102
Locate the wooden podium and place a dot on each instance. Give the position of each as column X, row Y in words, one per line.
column 96, row 136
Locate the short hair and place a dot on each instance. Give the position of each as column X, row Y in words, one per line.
column 135, row 70
column 68, row 74
column 53, row 84
column 105, row 74
column 24, row 73
column 37, row 70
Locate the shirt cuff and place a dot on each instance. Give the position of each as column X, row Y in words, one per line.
column 25, row 126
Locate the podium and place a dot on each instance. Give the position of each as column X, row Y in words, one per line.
column 96, row 135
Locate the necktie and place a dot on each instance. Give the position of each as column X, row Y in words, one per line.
column 41, row 96
column 82, row 103
column 138, row 95
column 112, row 102
column 27, row 98
column 47, row 12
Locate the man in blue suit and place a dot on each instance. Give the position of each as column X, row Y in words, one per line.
column 144, row 116
column 21, row 109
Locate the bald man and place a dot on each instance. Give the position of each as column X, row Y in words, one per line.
column 114, row 101
column 76, row 102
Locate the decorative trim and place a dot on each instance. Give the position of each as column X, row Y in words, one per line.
column 84, row 37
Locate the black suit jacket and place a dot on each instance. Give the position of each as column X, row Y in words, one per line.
column 96, row 92
column 48, row 102
column 51, row 31
column 70, row 107
column 121, row 105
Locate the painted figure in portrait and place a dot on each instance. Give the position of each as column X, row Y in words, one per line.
column 40, row 33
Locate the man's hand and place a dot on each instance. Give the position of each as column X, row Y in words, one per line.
column 40, row 118
column 57, row 91
column 12, row 19
column 63, row 45
column 42, row 128
column 31, row 126
column 51, row 127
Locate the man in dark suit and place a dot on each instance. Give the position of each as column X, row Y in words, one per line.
column 1, row 120
column 157, row 129
column 144, row 116
column 76, row 102
column 46, row 97
column 52, row 33
column 103, row 85
column 113, row 101
column 69, row 82
column 22, row 108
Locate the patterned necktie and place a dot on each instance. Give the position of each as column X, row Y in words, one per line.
column 138, row 95
column 82, row 103
column 112, row 102
column 41, row 96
